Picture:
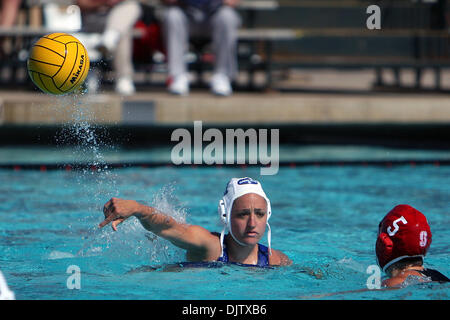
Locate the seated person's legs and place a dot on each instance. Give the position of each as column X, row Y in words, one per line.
column 225, row 23
column 118, row 39
column 8, row 12
column 176, row 35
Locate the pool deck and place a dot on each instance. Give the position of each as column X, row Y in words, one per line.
column 325, row 97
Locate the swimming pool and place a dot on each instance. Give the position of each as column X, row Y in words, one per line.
column 324, row 218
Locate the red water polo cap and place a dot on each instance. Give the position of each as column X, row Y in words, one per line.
column 403, row 233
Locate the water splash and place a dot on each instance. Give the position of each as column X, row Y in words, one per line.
column 131, row 243
column 352, row 264
column 414, row 280
column 134, row 244
column 89, row 144
column 56, row 255
column 97, row 182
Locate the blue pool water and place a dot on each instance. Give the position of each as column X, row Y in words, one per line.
column 324, row 218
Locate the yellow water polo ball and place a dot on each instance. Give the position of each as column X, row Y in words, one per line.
column 58, row 63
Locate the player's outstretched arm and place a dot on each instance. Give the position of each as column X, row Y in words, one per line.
column 189, row 237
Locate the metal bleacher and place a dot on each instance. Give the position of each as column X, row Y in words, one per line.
column 301, row 34
column 333, row 34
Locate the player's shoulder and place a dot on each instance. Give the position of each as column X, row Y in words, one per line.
column 207, row 244
column 398, row 280
column 278, row 258
column 200, row 232
column 392, row 282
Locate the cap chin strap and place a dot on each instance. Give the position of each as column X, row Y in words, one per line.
column 223, row 218
column 222, row 235
column 240, row 243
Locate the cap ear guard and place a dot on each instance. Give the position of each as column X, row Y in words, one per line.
column 384, row 247
column 387, row 242
column 222, row 212
column 269, row 209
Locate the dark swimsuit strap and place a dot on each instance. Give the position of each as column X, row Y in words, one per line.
column 434, row 275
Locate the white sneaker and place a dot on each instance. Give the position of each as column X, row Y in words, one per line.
column 179, row 85
column 110, row 39
column 125, row 87
column 108, row 43
column 220, row 85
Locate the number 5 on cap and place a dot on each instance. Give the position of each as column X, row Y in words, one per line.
column 393, row 232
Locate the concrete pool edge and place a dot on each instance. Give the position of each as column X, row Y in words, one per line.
column 160, row 108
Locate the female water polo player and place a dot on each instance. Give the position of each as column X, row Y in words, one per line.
column 404, row 237
column 244, row 210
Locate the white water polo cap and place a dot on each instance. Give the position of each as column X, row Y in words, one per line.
column 236, row 188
